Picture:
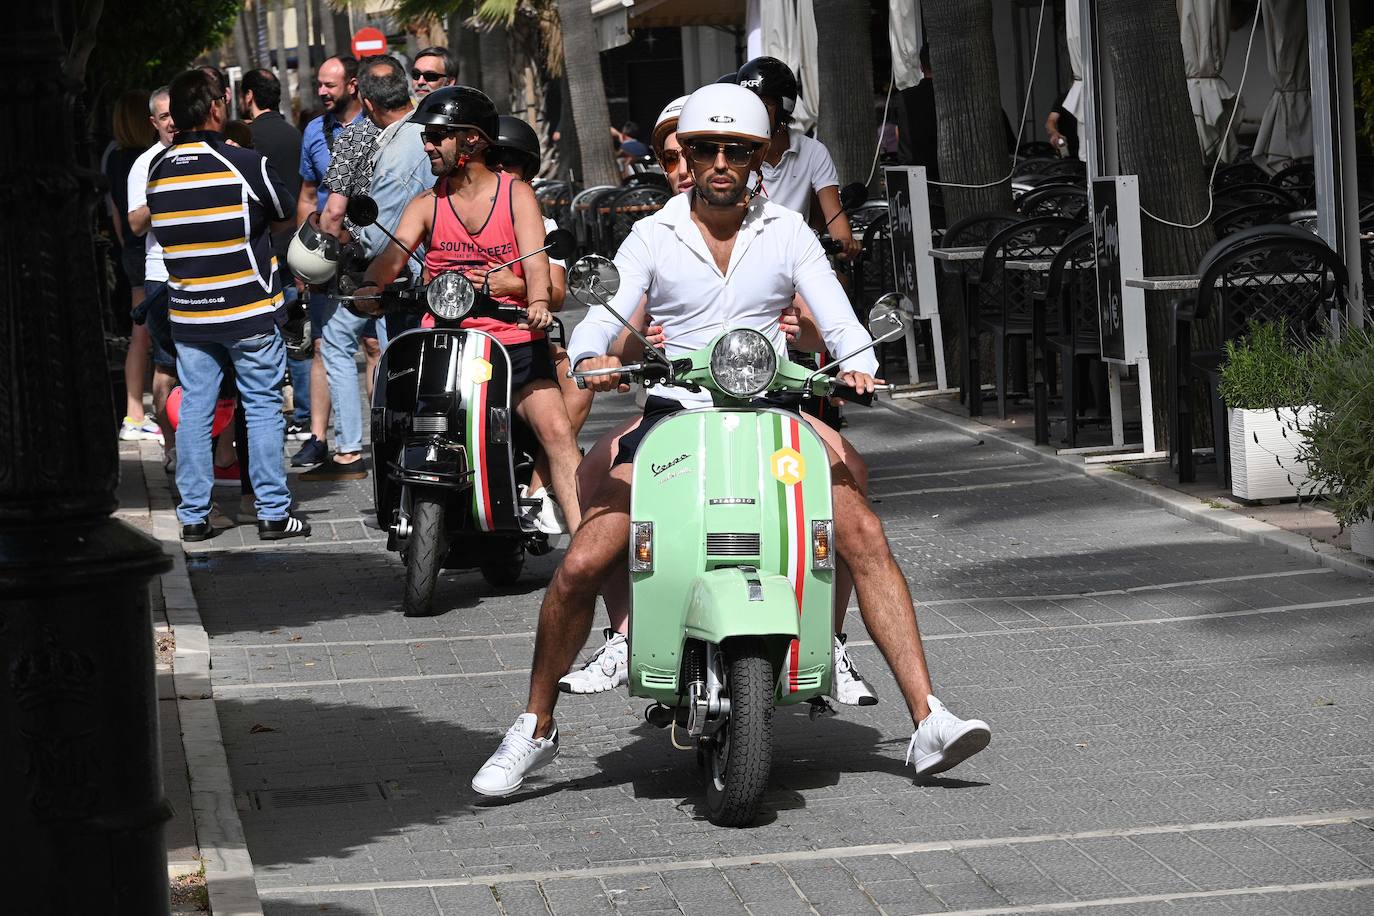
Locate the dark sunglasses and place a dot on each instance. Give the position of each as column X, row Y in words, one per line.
column 429, row 76
column 669, row 158
column 705, row 152
column 436, row 135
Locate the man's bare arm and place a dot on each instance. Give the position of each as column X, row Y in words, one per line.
column 305, row 204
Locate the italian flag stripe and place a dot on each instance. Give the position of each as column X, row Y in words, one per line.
column 477, row 431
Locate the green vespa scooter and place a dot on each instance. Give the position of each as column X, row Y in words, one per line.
column 732, row 549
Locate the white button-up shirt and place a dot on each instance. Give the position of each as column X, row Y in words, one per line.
column 775, row 256
column 805, row 167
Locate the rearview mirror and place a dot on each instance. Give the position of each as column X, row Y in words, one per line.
column 593, row 280
column 853, row 195
column 887, row 319
column 561, row 244
column 362, row 210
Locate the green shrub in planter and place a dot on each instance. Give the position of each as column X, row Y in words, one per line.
column 1339, row 446
column 1265, row 370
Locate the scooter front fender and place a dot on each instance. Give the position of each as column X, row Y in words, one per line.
column 734, row 601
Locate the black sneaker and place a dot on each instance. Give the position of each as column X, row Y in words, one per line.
column 278, row 528
column 312, row 453
column 298, row 432
column 198, row 531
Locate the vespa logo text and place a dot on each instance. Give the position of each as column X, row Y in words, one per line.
column 660, row 468
column 788, row 466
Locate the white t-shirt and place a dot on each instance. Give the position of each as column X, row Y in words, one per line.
column 775, row 257
column 549, row 226
column 805, row 166
column 153, row 267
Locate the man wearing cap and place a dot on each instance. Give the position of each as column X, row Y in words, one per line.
column 689, row 259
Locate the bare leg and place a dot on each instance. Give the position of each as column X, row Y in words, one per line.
column 372, row 352
column 591, row 474
column 576, row 401
column 884, row 599
column 565, row 617
column 164, row 380
column 136, row 366
column 540, row 404
column 844, row 582
column 319, row 395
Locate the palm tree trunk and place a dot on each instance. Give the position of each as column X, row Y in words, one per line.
column 1158, row 142
column 847, row 124
column 494, row 46
column 261, row 41
column 279, row 52
column 973, row 148
column 587, row 93
column 305, row 74
column 243, row 48
column 462, row 43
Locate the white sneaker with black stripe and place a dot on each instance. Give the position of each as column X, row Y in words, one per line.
column 607, row 669
column 848, row 686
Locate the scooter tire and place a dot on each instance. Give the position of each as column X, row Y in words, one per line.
column 505, row 573
column 740, row 759
column 425, row 551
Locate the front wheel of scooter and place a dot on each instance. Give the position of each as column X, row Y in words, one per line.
column 425, row 551
column 740, row 758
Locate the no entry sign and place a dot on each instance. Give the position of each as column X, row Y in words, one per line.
column 368, row 42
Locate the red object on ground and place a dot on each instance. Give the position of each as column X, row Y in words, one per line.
column 368, row 42
column 224, row 412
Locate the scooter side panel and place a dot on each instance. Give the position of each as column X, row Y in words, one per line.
column 729, row 488
column 483, row 376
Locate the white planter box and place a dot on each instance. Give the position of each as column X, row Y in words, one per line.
column 1362, row 539
column 1264, row 448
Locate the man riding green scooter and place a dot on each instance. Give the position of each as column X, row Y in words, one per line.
column 715, row 260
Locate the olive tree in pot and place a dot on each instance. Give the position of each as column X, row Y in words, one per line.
column 1338, row 439
column 1264, row 383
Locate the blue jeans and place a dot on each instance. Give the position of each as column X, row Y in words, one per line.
column 343, row 331
column 260, row 366
column 300, row 374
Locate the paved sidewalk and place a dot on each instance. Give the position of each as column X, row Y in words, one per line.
column 1181, row 724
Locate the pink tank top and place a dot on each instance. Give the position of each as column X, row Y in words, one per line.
column 453, row 247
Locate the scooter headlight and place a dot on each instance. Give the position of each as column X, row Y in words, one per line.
column 450, row 296
column 743, row 363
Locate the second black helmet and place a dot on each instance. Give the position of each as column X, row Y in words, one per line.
column 515, row 134
column 768, row 77
column 458, row 106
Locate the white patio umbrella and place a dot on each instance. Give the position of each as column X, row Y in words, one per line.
column 905, row 37
column 1073, row 99
column 1204, row 29
column 788, row 32
column 1285, row 132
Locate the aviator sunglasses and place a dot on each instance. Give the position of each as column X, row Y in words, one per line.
column 704, row 152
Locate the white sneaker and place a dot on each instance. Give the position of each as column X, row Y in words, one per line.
column 550, row 519
column 519, row 755
column 944, row 740
column 848, row 686
column 607, row 669
column 529, row 515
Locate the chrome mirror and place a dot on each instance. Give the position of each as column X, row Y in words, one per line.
column 887, row 319
column 593, row 280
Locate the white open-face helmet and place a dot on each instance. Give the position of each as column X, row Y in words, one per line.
column 726, row 111
column 313, row 254
column 667, row 121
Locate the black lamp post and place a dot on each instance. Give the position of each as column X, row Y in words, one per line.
column 81, row 802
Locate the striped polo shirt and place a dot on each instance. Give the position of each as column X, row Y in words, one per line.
column 212, row 206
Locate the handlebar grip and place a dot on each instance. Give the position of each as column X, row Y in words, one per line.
column 848, row 393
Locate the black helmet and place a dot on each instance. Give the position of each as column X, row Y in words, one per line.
column 731, row 77
column 768, row 77
column 514, row 134
column 457, row 106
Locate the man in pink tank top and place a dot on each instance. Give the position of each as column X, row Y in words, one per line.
column 473, row 219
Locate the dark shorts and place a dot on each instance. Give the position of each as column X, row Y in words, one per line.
column 656, row 410
column 152, row 313
column 131, row 258
column 530, row 362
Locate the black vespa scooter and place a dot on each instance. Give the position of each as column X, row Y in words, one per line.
column 448, row 450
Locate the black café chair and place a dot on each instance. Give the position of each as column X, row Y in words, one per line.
column 1066, row 323
column 1240, row 173
column 629, row 206
column 1058, row 199
column 1300, row 180
column 1238, row 195
column 1231, row 221
column 952, row 276
column 999, row 300
column 1265, row 273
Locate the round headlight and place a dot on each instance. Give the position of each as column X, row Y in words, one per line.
column 743, row 363
column 450, row 296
